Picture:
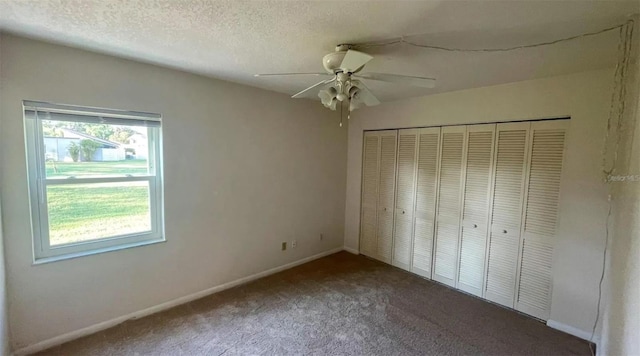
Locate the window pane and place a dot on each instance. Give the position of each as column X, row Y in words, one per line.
column 77, row 150
column 84, row 212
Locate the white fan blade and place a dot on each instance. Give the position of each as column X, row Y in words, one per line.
column 288, row 74
column 299, row 94
column 354, row 60
column 365, row 95
column 400, row 79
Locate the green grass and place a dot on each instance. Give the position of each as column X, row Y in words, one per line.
column 81, row 212
column 102, row 169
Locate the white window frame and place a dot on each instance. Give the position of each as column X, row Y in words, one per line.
column 34, row 113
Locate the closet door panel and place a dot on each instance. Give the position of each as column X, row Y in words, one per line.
column 405, row 198
column 541, row 214
column 476, row 203
column 508, row 192
column 449, row 204
column 386, row 194
column 426, row 190
column 370, row 175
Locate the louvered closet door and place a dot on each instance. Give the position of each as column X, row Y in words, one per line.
column 370, row 179
column 425, row 210
column 475, row 208
column 504, row 239
column 449, row 204
column 541, row 214
column 405, row 198
column 386, row 194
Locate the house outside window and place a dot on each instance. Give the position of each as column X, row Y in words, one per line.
column 95, row 179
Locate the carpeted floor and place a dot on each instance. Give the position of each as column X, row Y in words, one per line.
column 338, row 305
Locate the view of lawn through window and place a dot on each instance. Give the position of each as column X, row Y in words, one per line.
column 95, row 210
column 82, row 212
column 96, row 169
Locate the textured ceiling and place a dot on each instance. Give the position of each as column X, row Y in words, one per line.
column 232, row 40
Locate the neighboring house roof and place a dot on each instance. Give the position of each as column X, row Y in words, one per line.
column 136, row 141
column 82, row 135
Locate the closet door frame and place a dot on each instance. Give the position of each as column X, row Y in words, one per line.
column 444, row 130
column 547, row 124
column 487, row 221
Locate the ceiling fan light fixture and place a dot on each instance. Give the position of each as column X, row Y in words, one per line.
column 327, row 96
column 345, row 85
column 333, row 105
column 354, row 104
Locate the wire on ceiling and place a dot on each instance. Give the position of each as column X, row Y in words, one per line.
column 403, row 40
column 617, row 106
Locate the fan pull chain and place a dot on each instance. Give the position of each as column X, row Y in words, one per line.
column 341, row 114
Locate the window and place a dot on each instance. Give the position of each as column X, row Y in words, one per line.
column 95, row 179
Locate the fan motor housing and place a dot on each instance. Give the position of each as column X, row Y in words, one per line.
column 332, row 61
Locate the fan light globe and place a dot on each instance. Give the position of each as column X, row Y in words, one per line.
column 327, row 96
column 342, row 97
column 333, row 104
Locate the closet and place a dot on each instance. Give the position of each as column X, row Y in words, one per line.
column 471, row 206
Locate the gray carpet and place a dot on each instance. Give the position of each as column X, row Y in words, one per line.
column 339, row 305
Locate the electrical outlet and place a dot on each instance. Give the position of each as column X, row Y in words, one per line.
column 294, row 243
column 284, row 246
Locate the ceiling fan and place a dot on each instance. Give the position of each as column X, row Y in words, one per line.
column 346, row 82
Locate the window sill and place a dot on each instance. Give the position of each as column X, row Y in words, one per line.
column 44, row 260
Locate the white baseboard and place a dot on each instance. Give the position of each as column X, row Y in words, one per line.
column 351, row 250
column 61, row 339
column 585, row 335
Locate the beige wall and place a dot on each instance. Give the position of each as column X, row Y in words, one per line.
column 621, row 300
column 244, row 170
column 4, row 322
column 621, row 328
column 583, row 203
